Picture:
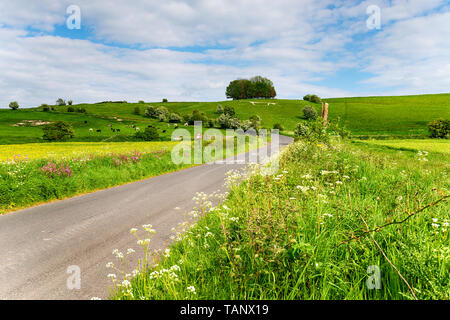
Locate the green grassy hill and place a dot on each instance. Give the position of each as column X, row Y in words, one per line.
column 403, row 116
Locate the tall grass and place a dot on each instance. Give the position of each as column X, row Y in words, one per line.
column 301, row 234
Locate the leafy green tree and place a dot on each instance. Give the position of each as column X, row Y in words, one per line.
column 256, row 87
column 137, row 110
column 14, row 105
column 59, row 130
column 60, row 102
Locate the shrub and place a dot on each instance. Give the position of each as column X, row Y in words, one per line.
column 162, row 113
column 246, row 125
column 219, row 109
column 70, row 109
column 312, row 98
column 141, row 101
column 59, row 130
column 164, row 100
column 69, row 102
column 137, row 110
column 14, row 105
column 278, row 126
column 45, row 107
column 150, row 112
column 302, row 130
column 309, row 113
column 439, row 128
column 149, row 134
column 312, row 130
column 81, row 110
column 60, row 102
column 227, row 122
column 197, row 115
column 229, row 111
column 315, row 99
column 174, row 118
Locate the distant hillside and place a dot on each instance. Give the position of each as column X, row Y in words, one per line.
column 403, row 116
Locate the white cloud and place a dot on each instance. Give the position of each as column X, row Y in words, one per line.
column 295, row 43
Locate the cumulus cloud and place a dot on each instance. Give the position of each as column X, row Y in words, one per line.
column 190, row 50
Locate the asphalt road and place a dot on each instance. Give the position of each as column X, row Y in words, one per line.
column 38, row 245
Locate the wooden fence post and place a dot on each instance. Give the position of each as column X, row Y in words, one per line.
column 325, row 113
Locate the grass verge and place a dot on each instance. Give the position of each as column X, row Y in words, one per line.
column 304, row 233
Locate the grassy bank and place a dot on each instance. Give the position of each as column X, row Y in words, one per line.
column 302, row 234
column 37, row 173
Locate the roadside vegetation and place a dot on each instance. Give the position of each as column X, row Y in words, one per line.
column 35, row 173
column 318, row 229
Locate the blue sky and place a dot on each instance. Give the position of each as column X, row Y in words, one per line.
column 191, row 50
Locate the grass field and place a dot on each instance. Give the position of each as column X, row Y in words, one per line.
column 302, row 234
column 430, row 145
column 40, row 172
column 70, row 150
column 379, row 117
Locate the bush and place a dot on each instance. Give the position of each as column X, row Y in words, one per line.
column 149, row 134
column 174, row 118
column 162, row 114
column 141, row 101
column 312, row 98
column 59, row 130
column 69, row 102
column 164, row 100
column 309, row 113
column 278, row 126
column 60, row 102
column 229, row 111
column 14, row 105
column 302, row 130
column 197, row 115
column 150, row 112
column 312, row 131
column 227, row 122
column 439, row 128
column 45, row 107
column 81, row 110
column 219, row 109
column 137, row 110
column 70, row 109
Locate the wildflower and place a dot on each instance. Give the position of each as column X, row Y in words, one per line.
column 338, row 182
column 133, row 230
column 191, row 289
column 135, row 272
column 130, row 251
column 126, row 283
column 167, row 253
column 112, row 276
column 96, row 298
column 110, row 265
